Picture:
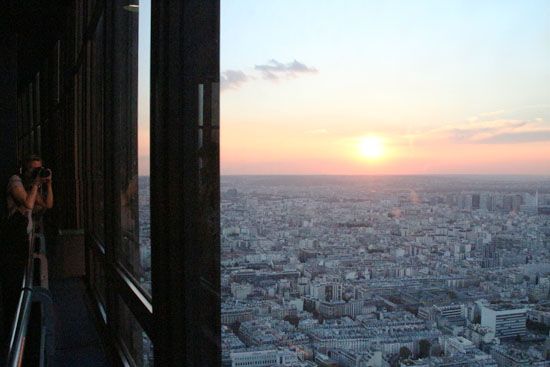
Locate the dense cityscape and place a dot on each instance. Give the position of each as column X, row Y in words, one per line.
column 385, row 270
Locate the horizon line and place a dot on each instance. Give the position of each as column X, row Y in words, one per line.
column 378, row 175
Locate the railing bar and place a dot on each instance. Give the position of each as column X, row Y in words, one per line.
column 17, row 317
column 16, row 354
column 22, row 316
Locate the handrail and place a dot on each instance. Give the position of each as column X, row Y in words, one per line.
column 32, row 293
column 22, row 316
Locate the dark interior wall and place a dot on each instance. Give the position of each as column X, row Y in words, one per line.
column 45, row 64
column 38, row 24
column 70, row 58
column 8, row 104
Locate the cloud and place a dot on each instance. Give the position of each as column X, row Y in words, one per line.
column 519, row 137
column 233, row 79
column 500, row 131
column 480, row 131
column 274, row 70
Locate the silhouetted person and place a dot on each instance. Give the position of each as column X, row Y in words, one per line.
column 29, row 194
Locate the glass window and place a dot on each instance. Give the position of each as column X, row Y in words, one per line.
column 79, row 26
column 54, row 72
column 134, row 250
column 79, row 99
column 143, row 140
column 37, row 99
column 97, row 121
column 135, row 340
column 30, row 102
column 97, row 273
column 37, row 139
column 99, row 278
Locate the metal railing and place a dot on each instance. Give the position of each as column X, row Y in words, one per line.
column 31, row 292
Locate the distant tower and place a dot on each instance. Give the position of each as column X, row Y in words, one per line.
column 476, row 201
column 490, row 255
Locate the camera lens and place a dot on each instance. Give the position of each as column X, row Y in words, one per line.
column 35, row 172
column 45, row 172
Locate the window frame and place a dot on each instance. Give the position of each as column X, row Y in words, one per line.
column 182, row 317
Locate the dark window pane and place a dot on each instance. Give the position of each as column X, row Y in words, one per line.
column 134, row 250
column 135, row 340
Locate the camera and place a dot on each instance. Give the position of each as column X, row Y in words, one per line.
column 41, row 172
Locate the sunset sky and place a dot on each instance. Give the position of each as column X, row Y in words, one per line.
column 385, row 87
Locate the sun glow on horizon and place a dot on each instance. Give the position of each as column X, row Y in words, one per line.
column 371, row 147
column 433, row 100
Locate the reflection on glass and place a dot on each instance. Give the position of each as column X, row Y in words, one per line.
column 97, row 275
column 97, row 74
column 99, row 278
column 143, row 150
column 134, row 250
column 135, row 340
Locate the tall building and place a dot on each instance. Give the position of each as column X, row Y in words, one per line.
column 328, row 292
column 451, row 314
column 476, row 201
column 465, row 202
column 486, row 202
column 491, row 257
column 506, row 320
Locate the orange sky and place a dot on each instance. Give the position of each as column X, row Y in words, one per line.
column 448, row 87
column 292, row 128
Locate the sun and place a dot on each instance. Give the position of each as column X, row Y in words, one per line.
column 371, row 147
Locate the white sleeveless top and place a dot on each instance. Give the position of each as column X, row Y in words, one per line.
column 13, row 205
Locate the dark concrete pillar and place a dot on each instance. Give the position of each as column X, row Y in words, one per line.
column 185, row 239
column 8, row 108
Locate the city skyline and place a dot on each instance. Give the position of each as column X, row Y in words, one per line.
column 385, row 271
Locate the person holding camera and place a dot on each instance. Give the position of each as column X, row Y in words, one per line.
column 24, row 190
column 29, row 194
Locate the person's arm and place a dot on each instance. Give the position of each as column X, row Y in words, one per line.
column 49, row 198
column 21, row 196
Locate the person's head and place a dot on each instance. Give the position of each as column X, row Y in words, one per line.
column 30, row 163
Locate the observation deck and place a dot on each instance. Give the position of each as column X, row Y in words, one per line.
column 109, row 285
